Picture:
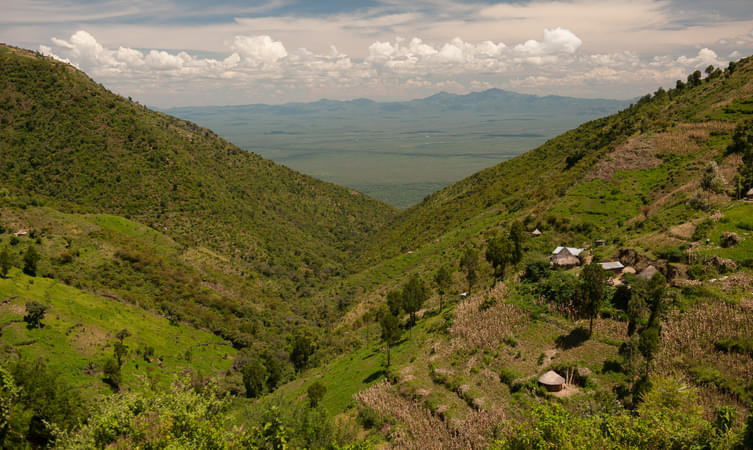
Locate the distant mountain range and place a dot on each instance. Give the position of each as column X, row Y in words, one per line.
column 496, row 101
column 399, row 152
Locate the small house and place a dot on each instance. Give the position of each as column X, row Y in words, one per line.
column 648, row 272
column 612, row 266
column 600, row 243
column 536, row 233
column 21, row 233
column 749, row 195
column 565, row 257
column 552, row 381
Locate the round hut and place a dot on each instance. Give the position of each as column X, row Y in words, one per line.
column 552, row 381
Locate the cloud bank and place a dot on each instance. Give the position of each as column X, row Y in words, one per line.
column 265, row 69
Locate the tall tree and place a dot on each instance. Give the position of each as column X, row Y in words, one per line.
column 31, row 258
column 395, row 302
column 592, row 292
column 119, row 350
column 469, row 264
column 254, row 375
column 655, row 292
column 274, row 371
column 415, row 293
column 390, row 331
column 443, row 280
column 35, row 312
column 300, row 352
column 316, row 393
column 499, row 252
column 649, row 344
column 5, row 262
column 111, row 371
column 742, row 143
column 517, row 238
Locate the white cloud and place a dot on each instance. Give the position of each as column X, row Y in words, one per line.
column 703, row 59
column 260, row 68
column 259, row 49
column 162, row 60
column 558, row 40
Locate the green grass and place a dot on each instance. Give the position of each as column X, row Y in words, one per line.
column 737, row 214
column 79, row 328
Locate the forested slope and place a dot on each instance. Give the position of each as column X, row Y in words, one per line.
column 68, row 140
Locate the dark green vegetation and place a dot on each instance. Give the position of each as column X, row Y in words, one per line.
column 123, row 326
column 399, row 152
column 69, row 143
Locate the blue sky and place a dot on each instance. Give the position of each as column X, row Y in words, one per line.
column 171, row 53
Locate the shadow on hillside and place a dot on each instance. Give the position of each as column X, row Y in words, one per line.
column 576, row 337
column 374, row 376
column 612, row 365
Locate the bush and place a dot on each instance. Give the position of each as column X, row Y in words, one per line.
column 369, row 418
column 508, row 376
column 176, row 418
column 487, row 303
column 510, row 340
column 702, row 230
column 699, row 202
column 536, row 270
column 561, row 288
column 697, row 272
column 316, row 393
column 674, row 254
column 111, row 371
column 742, row 345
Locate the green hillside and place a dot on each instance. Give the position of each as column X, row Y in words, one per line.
column 272, row 299
column 71, row 143
column 659, row 183
column 669, row 131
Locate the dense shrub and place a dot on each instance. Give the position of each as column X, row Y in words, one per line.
column 702, row 230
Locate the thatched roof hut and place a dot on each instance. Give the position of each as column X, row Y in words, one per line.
column 552, row 381
column 749, row 195
column 536, row 233
column 566, row 256
column 648, row 272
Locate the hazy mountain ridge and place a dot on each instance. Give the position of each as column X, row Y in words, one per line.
column 490, row 100
column 380, row 147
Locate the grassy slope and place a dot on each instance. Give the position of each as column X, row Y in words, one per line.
column 632, row 187
column 79, row 330
column 133, row 263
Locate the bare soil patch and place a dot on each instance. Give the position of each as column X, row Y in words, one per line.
column 683, row 231
column 568, row 390
column 634, row 154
